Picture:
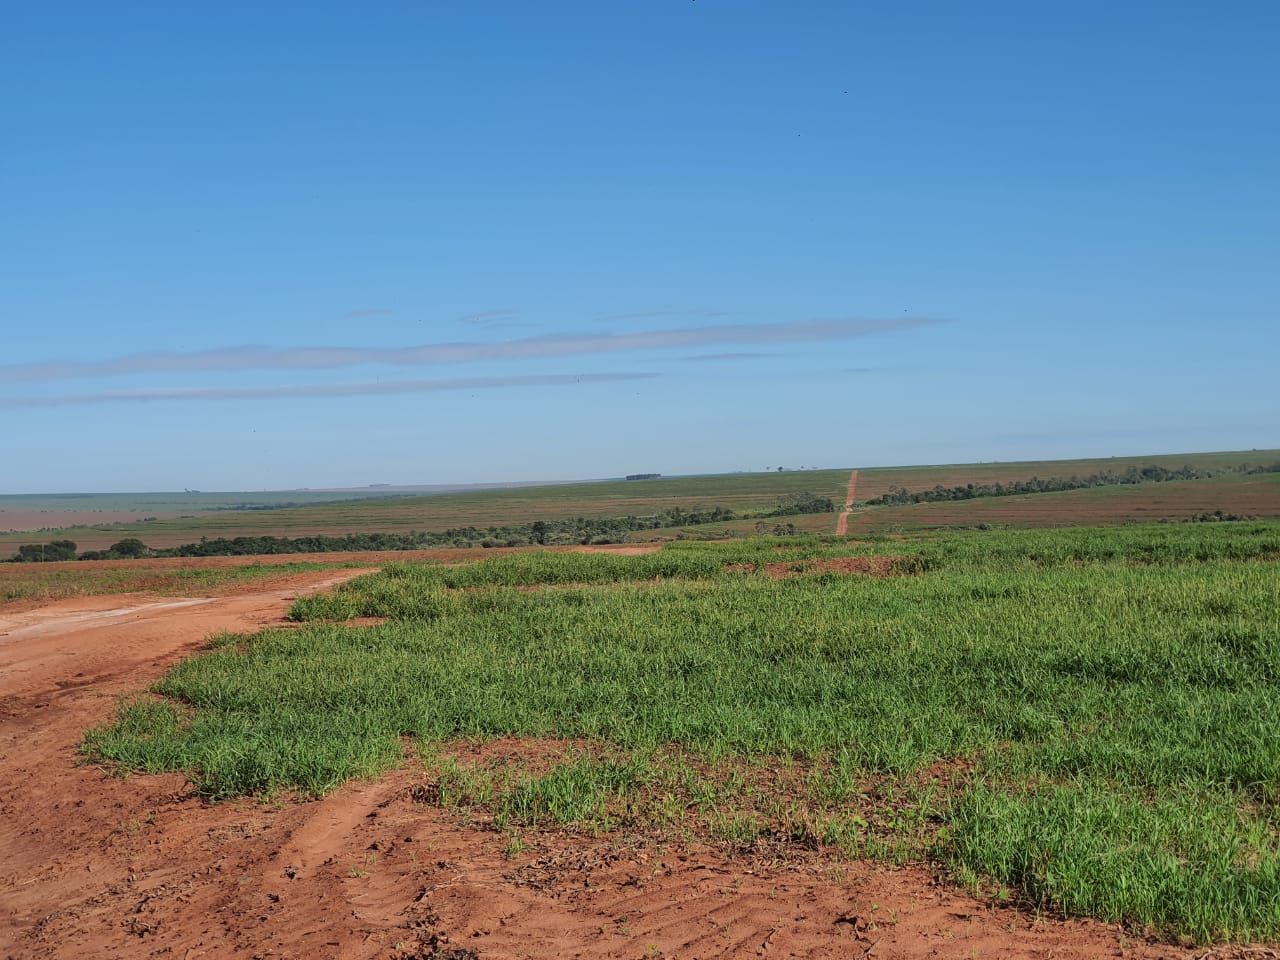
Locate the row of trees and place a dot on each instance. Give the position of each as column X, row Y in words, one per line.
column 42, row 552
column 570, row 530
column 1151, row 474
column 798, row 503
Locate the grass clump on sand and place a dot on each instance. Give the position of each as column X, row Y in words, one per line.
column 1089, row 716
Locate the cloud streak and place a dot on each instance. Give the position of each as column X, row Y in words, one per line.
column 487, row 318
column 382, row 388
column 638, row 315
column 722, row 357
column 524, row 348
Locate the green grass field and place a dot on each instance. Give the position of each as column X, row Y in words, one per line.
column 1082, row 720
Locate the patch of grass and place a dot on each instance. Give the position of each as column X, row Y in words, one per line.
column 1086, row 716
column 1191, row 861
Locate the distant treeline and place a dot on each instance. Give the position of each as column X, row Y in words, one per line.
column 572, row 530
column 1106, row 478
column 643, row 476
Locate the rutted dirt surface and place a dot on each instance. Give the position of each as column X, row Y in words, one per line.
column 90, row 611
column 842, row 522
column 94, row 866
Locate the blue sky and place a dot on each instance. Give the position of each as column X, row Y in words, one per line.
column 332, row 244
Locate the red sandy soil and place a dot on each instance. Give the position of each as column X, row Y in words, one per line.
column 93, row 866
column 842, row 522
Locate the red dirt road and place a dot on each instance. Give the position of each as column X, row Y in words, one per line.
column 842, row 522
column 94, row 866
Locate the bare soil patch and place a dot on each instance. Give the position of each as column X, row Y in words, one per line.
column 95, row 865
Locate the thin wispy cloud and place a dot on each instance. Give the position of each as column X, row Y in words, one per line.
column 725, row 357
column 639, row 315
column 376, row 388
column 487, row 318
column 524, row 348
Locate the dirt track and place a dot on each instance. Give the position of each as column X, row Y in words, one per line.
column 96, row 866
column 842, row 522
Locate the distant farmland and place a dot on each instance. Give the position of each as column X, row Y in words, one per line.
column 383, row 512
column 41, row 511
column 1254, row 496
column 875, row 481
column 481, row 508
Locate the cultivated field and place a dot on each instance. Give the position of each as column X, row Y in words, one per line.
column 481, row 508
column 874, row 481
column 44, row 511
column 390, row 513
column 1078, row 722
column 1254, row 496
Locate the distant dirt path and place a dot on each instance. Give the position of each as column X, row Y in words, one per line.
column 95, row 866
column 842, row 524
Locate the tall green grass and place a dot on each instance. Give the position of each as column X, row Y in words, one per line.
column 1105, row 701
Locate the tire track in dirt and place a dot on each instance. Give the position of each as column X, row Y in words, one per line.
column 59, row 621
column 842, row 522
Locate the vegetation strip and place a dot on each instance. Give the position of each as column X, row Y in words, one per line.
column 575, row 530
column 1134, row 475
